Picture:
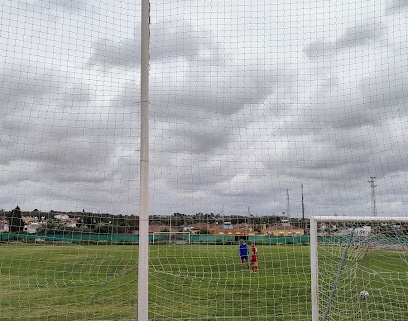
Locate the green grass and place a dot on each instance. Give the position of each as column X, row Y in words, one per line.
column 382, row 272
column 209, row 283
column 193, row 282
column 68, row 282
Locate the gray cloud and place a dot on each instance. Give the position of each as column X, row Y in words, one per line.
column 63, row 5
column 358, row 35
column 51, row 125
column 240, row 109
column 395, row 6
column 386, row 85
column 165, row 45
column 219, row 89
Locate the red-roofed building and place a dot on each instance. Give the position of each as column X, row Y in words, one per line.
column 283, row 229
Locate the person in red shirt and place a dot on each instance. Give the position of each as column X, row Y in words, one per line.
column 254, row 258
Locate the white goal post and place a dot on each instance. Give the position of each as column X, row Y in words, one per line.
column 346, row 242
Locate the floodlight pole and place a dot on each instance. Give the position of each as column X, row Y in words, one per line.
column 373, row 202
column 143, row 262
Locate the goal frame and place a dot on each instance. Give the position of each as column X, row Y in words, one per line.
column 170, row 233
column 314, row 267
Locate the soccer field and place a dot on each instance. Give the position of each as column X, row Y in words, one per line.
column 209, row 283
column 186, row 282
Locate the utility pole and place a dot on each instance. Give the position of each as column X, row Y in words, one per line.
column 373, row 203
column 303, row 211
column 287, row 205
column 251, row 220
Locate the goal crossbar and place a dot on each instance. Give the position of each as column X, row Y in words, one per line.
column 358, row 219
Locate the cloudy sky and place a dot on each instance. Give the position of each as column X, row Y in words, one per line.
column 249, row 100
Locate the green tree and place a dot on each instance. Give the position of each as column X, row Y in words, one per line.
column 16, row 223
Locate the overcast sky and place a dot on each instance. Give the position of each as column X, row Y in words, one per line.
column 248, row 101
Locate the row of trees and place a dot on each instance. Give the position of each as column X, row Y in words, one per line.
column 86, row 222
column 80, row 222
column 118, row 224
column 178, row 219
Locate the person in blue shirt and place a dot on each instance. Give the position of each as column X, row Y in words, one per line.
column 243, row 253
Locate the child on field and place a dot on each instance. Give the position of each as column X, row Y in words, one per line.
column 254, row 258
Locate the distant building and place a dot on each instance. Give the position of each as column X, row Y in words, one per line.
column 62, row 217
column 66, row 220
column 156, row 228
column 285, row 222
column 365, row 230
column 4, row 226
column 228, row 226
column 283, row 229
column 32, row 227
column 229, row 229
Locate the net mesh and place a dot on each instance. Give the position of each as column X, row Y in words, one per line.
column 361, row 270
column 261, row 114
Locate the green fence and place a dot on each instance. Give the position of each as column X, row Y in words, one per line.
column 70, row 238
column 134, row 239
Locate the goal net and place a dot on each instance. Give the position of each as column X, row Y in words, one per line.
column 234, row 120
column 171, row 238
column 359, row 268
column 207, row 279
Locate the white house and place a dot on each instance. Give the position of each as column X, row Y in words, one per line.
column 32, row 227
column 228, row 226
column 4, row 226
column 362, row 231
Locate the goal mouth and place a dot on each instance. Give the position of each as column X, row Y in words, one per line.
column 358, row 264
column 171, row 238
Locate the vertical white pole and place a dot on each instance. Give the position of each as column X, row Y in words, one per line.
column 314, row 269
column 143, row 264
